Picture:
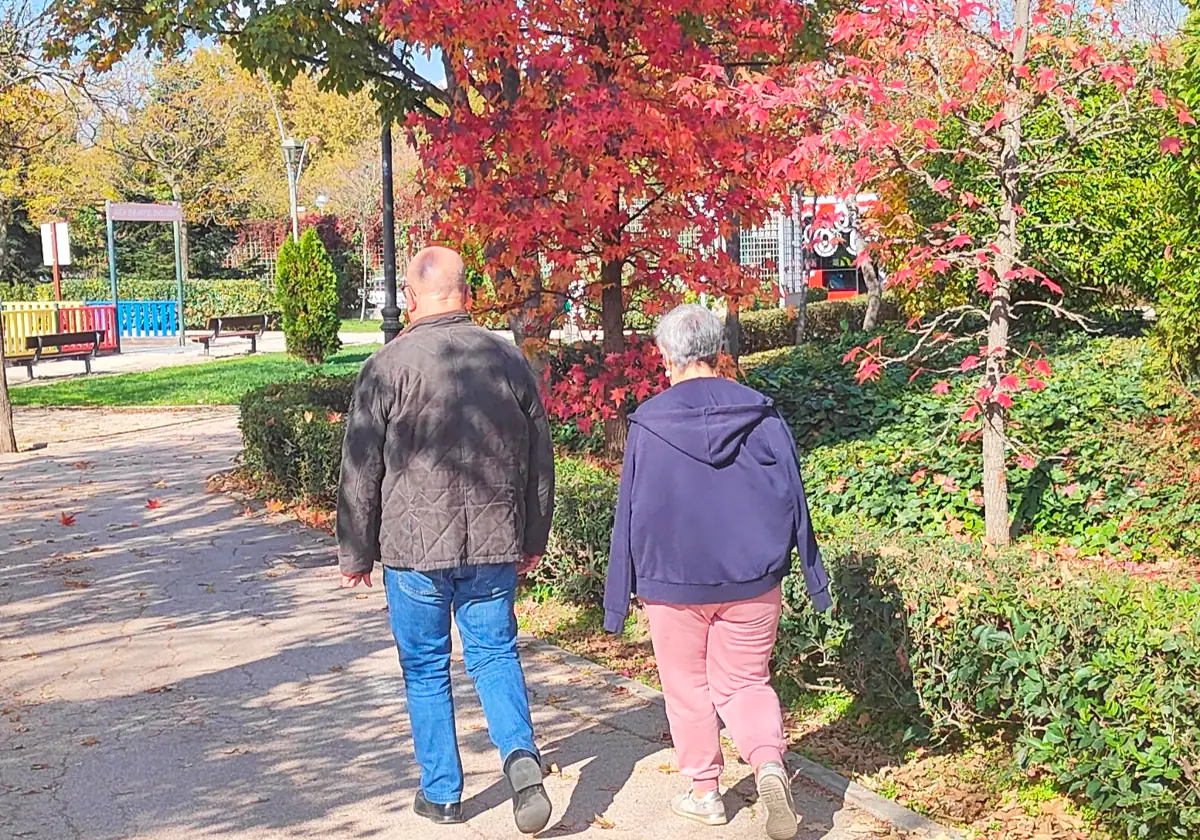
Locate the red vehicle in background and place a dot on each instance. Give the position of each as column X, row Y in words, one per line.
column 824, row 243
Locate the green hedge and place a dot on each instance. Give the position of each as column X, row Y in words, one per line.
column 1092, row 674
column 292, row 436
column 771, row 329
column 576, row 559
column 203, row 298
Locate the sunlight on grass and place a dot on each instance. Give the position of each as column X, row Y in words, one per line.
column 221, row 382
column 353, row 325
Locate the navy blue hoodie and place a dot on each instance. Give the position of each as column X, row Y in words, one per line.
column 711, row 503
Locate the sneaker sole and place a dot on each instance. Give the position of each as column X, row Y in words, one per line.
column 532, row 807
column 711, row 819
column 773, row 793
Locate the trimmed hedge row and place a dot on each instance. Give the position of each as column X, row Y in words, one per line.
column 292, row 436
column 203, row 298
column 826, row 320
column 1093, row 674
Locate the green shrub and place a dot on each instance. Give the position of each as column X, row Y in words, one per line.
column 576, row 559
column 1111, row 475
column 766, row 329
column 203, row 298
column 307, row 292
column 825, row 320
column 292, row 436
column 1092, row 674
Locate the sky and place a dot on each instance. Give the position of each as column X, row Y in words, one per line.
column 430, row 68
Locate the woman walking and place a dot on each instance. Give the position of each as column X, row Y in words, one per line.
column 710, row 509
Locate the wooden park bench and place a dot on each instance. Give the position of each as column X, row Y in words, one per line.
column 232, row 326
column 63, row 346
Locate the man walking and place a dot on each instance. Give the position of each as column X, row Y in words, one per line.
column 448, row 481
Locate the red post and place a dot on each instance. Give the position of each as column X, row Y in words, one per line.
column 54, row 260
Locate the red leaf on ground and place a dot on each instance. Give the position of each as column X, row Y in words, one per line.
column 66, row 519
column 153, row 504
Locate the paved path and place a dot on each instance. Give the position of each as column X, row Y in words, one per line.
column 190, row 671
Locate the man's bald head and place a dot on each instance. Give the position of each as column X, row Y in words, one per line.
column 438, row 274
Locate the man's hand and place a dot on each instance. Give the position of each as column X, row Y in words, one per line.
column 531, row 561
column 351, row 581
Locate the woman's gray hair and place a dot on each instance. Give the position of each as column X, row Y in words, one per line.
column 689, row 334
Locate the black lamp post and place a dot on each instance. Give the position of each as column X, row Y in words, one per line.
column 391, row 309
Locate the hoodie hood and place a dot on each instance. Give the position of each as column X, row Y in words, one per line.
column 707, row 419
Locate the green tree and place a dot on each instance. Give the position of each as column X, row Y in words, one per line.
column 306, row 288
column 1178, row 329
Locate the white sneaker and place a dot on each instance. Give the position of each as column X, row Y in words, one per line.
column 775, row 795
column 709, row 809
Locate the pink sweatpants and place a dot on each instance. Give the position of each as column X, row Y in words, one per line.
column 713, row 659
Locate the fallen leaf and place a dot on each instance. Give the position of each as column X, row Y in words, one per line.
column 336, row 669
column 362, row 597
column 66, row 519
column 554, row 698
column 275, row 506
column 76, row 584
column 82, row 465
column 160, row 689
column 159, row 484
column 667, row 770
column 602, row 823
column 153, row 504
column 88, row 742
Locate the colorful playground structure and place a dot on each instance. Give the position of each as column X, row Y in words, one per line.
column 23, row 320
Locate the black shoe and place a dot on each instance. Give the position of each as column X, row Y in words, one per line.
column 531, row 805
column 440, row 814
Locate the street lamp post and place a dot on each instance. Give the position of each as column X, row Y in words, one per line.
column 391, row 309
column 294, row 153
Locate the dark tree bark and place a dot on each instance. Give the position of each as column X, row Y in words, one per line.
column 612, row 321
column 8, row 438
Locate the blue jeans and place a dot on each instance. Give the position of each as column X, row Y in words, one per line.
column 419, row 607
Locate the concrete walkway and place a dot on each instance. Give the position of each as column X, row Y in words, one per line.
column 173, row 666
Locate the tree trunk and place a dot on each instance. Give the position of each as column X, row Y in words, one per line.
column 802, row 313
column 366, row 259
column 184, row 252
column 995, row 478
column 8, row 439
column 612, row 321
column 874, row 295
column 733, row 326
column 733, row 331
column 529, row 323
column 870, row 275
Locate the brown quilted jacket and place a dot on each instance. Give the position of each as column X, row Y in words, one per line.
column 447, row 460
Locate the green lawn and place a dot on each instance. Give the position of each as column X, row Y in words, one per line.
column 213, row 383
column 353, row 325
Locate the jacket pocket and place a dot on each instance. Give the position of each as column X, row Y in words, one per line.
column 493, row 521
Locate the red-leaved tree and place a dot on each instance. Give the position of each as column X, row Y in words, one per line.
column 1015, row 93
column 569, row 152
